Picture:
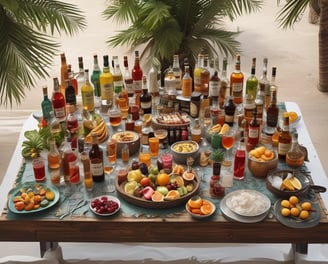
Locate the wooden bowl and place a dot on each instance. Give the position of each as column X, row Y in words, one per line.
column 261, row 168
column 130, row 138
column 180, row 156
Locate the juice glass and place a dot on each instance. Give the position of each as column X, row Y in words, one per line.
column 112, row 150
column 144, row 157
column 55, row 176
column 138, row 127
column 115, row 117
column 74, row 172
column 154, row 146
column 39, row 169
column 228, row 140
column 167, row 161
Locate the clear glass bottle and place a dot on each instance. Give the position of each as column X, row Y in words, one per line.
column 125, row 155
column 177, row 72
column 153, row 81
column 285, row 138
column 137, row 74
column 128, row 82
column 197, row 73
column 88, row 182
column 145, row 98
column 260, row 101
column 264, row 84
column 96, row 160
column 205, row 76
column 67, row 157
column 95, row 76
column 187, row 83
column 46, row 105
column 63, row 73
column 80, row 76
column 106, row 82
column 196, row 131
column 237, row 83
column 272, row 113
column 117, row 77
column 53, row 155
column 58, row 102
column 295, row 155
column 224, row 83
column 252, row 82
column 72, row 122
column 88, row 101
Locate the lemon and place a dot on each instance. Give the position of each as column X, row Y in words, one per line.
column 225, row 128
column 147, row 118
column 293, row 116
column 296, row 183
column 130, row 187
column 135, row 175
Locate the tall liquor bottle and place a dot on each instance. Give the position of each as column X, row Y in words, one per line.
column 237, row 83
column 224, row 83
column 252, row 82
column 117, row 77
column 96, row 160
column 128, row 82
column 72, row 78
column 187, row 83
column 70, row 93
column 205, row 77
column 197, row 74
column 264, row 84
column 80, row 76
column 63, row 73
column 95, row 76
column 273, row 110
column 137, row 74
column 229, row 109
column 153, row 81
column 106, row 82
column 88, row 101
column 145, row 98
column 177, row 72
column 253, row 132
column 46, row 105
column 285, row 138
column 58, row 102
column 214, row 87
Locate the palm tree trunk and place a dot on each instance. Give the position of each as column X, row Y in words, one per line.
column 323, row 47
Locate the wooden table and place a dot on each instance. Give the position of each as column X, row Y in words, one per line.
column 173, row 229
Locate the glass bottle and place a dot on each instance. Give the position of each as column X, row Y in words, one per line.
column 55, row 127
column 128, row 82
column 95, row 76
column 88, row 182
column 70, row 95
column 169, row 82
column 125, row 155
column 80, row 76
column 252, row 82
column 240, row 159
column 145, row 98
column 72, row 78
column 106, row 82
column 137, row 74
column 63, row 73
column 229, row 110
column 153, row 81
column 96, row 160
column 72, row 122
column 67, row 157
column 58, row 102
column 146, row 133
column 205, row 76
column 196, row 131
column 264, row 84
column 248, row 108
column 117, row 77
column 187, row 82
column 88, row 101
column 197, row 73
column 46, row 105
column 260, row 101
column 53, row 155
column 237, row 83
column 272, row 110
column 214, row 87
column 295, row 156
column 224, row 83
column 253, row 132
column 285, row 138
column 177, row 72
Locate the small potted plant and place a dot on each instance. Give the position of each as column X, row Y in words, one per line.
column 217, row 156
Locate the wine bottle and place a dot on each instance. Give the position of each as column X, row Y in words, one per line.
column 96, row 160
column 58, row 102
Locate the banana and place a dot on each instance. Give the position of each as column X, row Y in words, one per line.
column 100, row 127
column 102, row 137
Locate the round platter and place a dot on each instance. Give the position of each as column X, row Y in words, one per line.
column 156, row 124
column 312, row 221
column 248, row 203
column 31, row 185
column 141, row 202
column 105, row 199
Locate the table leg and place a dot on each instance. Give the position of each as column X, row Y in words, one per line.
column 45, row 245
column 300, row 248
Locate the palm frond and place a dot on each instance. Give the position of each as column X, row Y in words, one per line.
column 291, row 12
column 124, row 11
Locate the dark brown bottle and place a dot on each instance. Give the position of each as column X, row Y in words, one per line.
column 229, row 109
column 253, row 132
column 96, row 160
column 285, row 138
column 145, row 98
column 273, row 110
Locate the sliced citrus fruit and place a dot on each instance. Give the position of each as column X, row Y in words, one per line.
column 157, row 197
column 293, row 116
column 147, row 118
column 225, row 128
column 296, row 183
column 130, row 187
column 195, row 202
column 178, row 180
column 188, row 175
column 172, row 195
column 287, row 184
column 206, row 208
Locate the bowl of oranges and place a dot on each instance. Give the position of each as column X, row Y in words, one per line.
column 199, row 207
column 261, row 160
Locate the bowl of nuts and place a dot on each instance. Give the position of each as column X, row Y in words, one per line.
column 182, row 150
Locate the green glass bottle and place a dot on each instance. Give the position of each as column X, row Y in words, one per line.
column 252, row 82
column 46, row 104
column 95, row 76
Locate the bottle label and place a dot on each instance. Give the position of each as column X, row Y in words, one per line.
column 129, row 86
column 60, row 112
column 107, row 91
column 193, row 109
column 229, row 118
column 214, row 88
column 118, row 86
column 137, row 86
column 253, row 132
column 237, row 90
column 87, row 98
column 97, row 169
column 145, row 105
column 283, row 148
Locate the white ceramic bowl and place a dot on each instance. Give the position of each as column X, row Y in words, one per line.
column 182, row 150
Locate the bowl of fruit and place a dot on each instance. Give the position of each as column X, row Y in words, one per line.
column 261, row 160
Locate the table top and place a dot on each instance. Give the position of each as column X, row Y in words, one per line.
column 179, row 228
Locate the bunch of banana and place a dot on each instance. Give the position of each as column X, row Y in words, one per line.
column 101, row 130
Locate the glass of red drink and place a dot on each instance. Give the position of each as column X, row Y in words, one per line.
column 39, row 169
column 228, row 140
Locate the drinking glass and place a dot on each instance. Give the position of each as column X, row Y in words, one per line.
column 39, row 169
column 108, row 171
column 115, row 117
column 228, row 140
column 111, row 155
column 154, row 146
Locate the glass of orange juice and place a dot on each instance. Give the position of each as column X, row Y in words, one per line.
column 154, row 146
column 144, row 157
column 112, row 150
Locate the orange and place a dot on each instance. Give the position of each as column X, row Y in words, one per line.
column 162, row 179
column 304, row 214
column 206, row 208
column 195, row 202
column 306, row 206
column 295, row 211
column 285, row 212
column 144, row 181
column 293, row 199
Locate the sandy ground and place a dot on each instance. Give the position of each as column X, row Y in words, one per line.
column 293, row 52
